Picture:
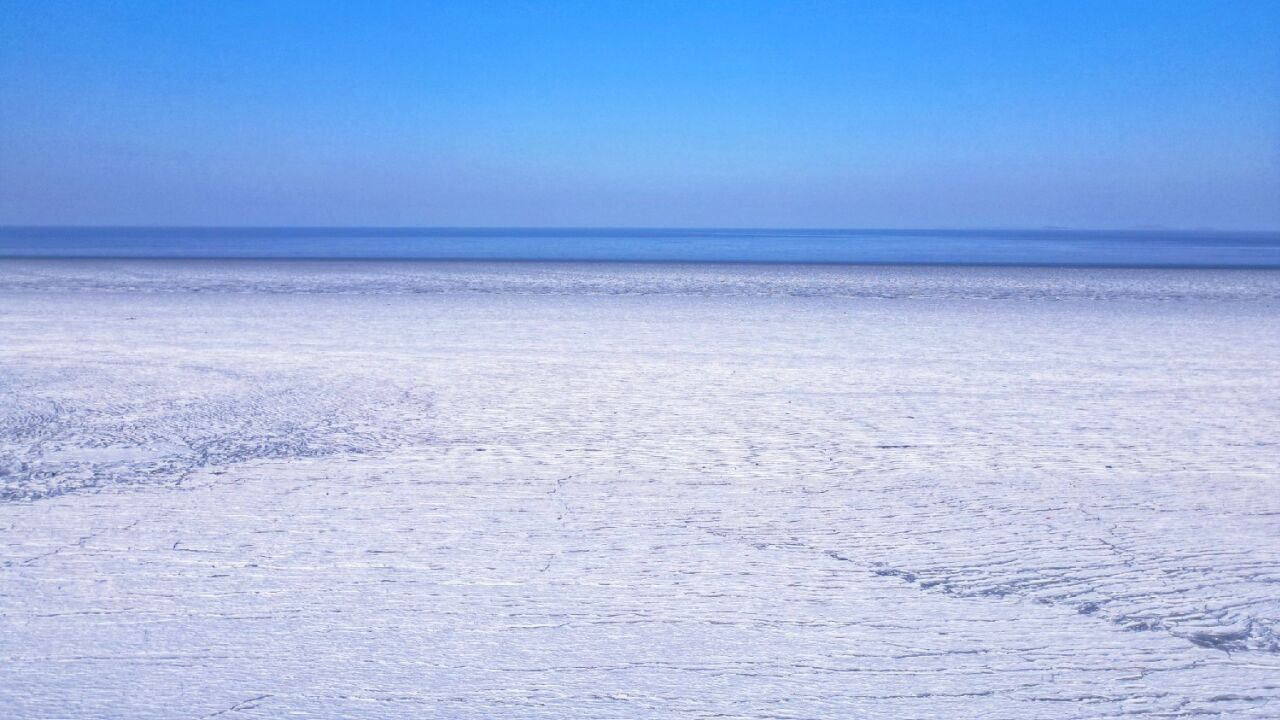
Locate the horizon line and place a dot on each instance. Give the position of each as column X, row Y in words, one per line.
column 646, row 228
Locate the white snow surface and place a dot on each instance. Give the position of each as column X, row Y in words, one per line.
column 380, row 490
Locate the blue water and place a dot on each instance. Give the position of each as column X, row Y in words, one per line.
column 945, row 247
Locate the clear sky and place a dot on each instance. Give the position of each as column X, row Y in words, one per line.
column 644, row 113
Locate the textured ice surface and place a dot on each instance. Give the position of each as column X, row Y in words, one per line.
column 553, row 278
column 637, row 491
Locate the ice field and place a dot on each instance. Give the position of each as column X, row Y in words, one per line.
column 251, row 489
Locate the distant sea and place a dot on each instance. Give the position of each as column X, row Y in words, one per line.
column 1048, row 247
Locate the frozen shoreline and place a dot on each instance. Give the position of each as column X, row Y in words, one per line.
column 467, row 490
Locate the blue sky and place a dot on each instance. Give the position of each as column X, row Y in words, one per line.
column 764, row 114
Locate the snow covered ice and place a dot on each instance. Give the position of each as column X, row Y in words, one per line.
column 368, row 489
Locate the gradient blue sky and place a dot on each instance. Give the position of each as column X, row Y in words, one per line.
column 766, row 114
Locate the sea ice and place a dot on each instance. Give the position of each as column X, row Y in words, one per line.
column 251, row 489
